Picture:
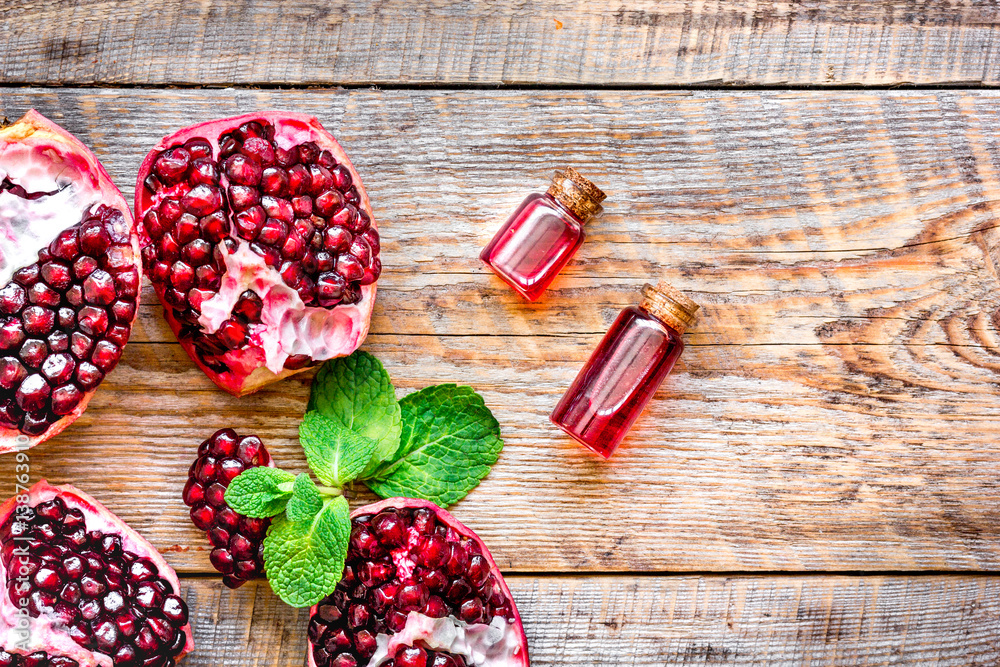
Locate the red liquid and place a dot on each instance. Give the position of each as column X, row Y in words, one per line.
column 618, row 381
column 534, row 245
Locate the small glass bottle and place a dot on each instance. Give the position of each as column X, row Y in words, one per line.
column 625, row 370
column 543, row 234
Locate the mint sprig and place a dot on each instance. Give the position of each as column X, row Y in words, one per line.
column 437, row 443
column 449, row 442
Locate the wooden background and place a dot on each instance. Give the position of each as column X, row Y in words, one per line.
column 818, row 483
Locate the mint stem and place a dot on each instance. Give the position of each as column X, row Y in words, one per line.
column 330, row 491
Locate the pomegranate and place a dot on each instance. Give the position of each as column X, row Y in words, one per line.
column 259, row 239
column 89, row 588
column 69, row 279
column 419, row 590
column 238, row 540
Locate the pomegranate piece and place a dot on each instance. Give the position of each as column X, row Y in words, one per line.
column 265, row 207
column 237, row 540
column 419, row 588
column 69, row 267
column 94, row 592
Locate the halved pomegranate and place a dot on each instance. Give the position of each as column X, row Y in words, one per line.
column 259, row 239
column 419, row 590
column 78, row 584
column 69, row 279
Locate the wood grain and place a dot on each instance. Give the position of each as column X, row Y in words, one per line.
column 634, row 42
column 617, row 621
column 836, row 409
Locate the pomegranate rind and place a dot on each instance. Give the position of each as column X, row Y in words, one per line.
column 34, row 134
column 520, row 658
column 98, row 517
column 347, row 326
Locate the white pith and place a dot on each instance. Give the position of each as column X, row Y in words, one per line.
column 28, row 225
column 480, row 644
column 289, row 326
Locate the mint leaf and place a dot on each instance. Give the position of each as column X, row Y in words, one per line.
column 306, row 501
column 337, row 455
column 448, row 443
column 260, row 492
column 357, row 392
column 304, row 560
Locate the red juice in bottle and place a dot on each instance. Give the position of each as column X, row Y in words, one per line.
column 622, row 374
column 543, row 234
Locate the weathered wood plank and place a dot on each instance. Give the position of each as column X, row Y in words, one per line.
column 636, row 42
column 619, row 621
column 836, row 409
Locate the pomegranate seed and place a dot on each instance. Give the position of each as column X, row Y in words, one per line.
column 57, row 275
column 99, row 288
column 92, row 321
column 320, row 179
column 249, row 222
column 172, row 164
column 38, row 320
column 84, row 266
column 170, row 211
column 280, row 209
column 203, row 172
column 65, row 246
column 273, row 232
column 329, row 202
column 41, row 294
column 33, row 352
column 410, row 656
column 308, row 152
column 33, row 394
column 243, row 170
column 260, row 148
column 58, row 368
column 88, row 375
column 202, row 200
column 12, row 372
column 232, row 333
column 350, row 268
column 274, row 181
column 186, row 229
column 12, row 299
column 105, row 355
column 249, row 306
column 361, row 251
column 341, row 177
column 214, row 227
column 65, row 399
column 80, row 345
column 242, row 197
column 94, row 239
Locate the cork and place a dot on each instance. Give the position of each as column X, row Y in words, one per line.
column 576, row 193
column 669, row 304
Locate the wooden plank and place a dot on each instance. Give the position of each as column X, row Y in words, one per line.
column 634, row 621
column 635, row 42
column 836, row 409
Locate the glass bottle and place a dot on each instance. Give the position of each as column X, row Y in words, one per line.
column 623, row 373
column 543, row 234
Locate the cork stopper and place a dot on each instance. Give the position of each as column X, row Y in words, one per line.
column 577, row 193
column 667, row 303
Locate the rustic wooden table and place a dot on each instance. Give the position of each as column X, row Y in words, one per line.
column 818, row 482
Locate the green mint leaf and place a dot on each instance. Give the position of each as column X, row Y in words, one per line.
column 357, row 392
column 260, row 492
column 306, row 501
column 449, row 442
column 336, row 454
column 304, row 560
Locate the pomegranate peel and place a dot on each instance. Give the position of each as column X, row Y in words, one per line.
column 117, row 599
column 259, row 239
column 69, row 279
